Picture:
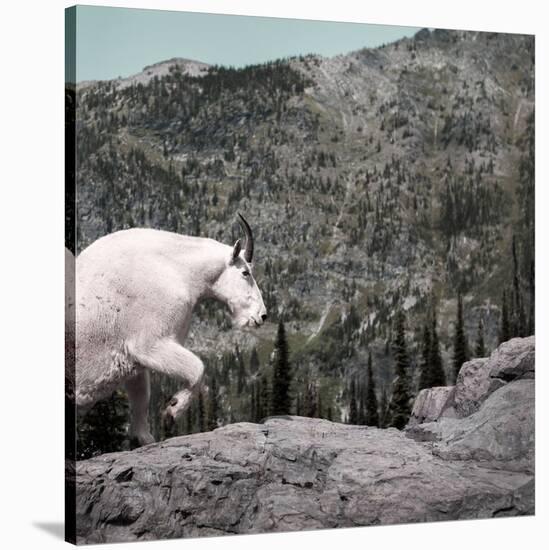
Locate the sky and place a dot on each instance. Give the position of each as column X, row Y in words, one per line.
column 114, row 42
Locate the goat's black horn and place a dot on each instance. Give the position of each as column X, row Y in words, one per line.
column 249, row 248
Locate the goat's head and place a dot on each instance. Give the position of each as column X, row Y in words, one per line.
column 236, row 286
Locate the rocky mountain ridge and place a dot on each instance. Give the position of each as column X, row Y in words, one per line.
column 295, row 473
column 162, row 68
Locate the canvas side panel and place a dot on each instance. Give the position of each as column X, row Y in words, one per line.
column 70, row 251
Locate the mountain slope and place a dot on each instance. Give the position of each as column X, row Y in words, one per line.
column 385, row 178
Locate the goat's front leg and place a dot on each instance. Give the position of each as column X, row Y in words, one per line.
column 169, row 357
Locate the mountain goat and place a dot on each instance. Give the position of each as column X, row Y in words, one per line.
column 135, row 294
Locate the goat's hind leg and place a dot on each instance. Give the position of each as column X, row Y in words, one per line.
column 139, row 393
column 168, row 357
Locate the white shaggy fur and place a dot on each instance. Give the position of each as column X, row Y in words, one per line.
column 135, row 293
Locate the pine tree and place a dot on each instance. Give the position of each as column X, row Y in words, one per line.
column 259, row 412
column 263, row 397
column 371, row 413
column 436, row 368
column 425, row 367
column 431, row 369
column 505, row 327
column 103, row 428
column 383, row 409
column 461, row 351
column 281, row 402
column 518, row 325
column 254, row 361
column 253, row 402
column 200, row 413
column 318, row 404
column 399, row 407
column 213, row 405
column 310, row 401
column 532, row 305
column 298, row 405
column 353, row 410
column 189, row 417
column 361, row 405
column 241, row 373
column 480, row 348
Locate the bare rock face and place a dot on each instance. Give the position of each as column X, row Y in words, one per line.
column 431, row 403
column 513, row 360
column 501, row 430
column 293, row 473
column 473, row 384
column 476, row 381
column 494, row 403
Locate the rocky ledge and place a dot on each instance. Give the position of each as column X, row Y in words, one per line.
column 467, row 453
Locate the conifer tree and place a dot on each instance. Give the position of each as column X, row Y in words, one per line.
column 399, row 407
column 361, row 406
column 241, row 373
column 518, row 325
column 103, row 429
column 213, row 405
column 318, row 404
column 436, row 367
column 254, row 361
column 258, row 410
column 425, row 366
column 353, row 410
column 298, row 404
column 253, row 402
column 431, row 368
column 505, row 328
column 200, row 413
column 310, row 398
column 532, row 293
column 383, row 408
column 281, row 402
column 263, row 397
column 461, row 351
column 371, row 413
column 480, row 348
column 189, row 424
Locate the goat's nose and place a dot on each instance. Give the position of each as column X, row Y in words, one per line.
column 263, row 316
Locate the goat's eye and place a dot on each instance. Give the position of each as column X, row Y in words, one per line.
column 246, row 273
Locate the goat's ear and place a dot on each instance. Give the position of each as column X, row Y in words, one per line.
column 236, row 250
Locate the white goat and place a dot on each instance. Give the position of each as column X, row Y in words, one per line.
column 135, row 293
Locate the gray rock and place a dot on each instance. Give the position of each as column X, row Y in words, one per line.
column 513, row 360
column 287, row 474
column 294, row 473
column 433, row 431
column 502, row 430
column 473, row 385
column 431, row 403
column 479, row 378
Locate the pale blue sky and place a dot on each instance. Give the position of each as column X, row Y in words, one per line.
column 114, row 42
